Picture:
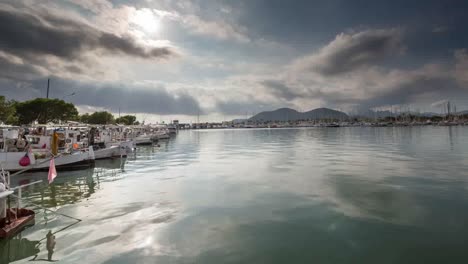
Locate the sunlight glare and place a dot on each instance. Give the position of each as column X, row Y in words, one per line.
column 146, row 20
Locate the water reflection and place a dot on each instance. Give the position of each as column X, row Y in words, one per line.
column 70, row 187
column 324, row 195
column 17, row 248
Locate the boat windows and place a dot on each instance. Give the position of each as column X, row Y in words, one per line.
column 34, row 140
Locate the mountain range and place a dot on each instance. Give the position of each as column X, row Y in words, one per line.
column 288, row 114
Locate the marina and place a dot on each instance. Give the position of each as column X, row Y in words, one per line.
column 62, row 148
column 232, row 132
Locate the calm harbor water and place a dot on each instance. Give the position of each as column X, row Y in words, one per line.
column 317, row 195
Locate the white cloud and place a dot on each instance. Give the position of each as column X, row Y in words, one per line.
column 440, row 103
column 95, row 6
column 218, row 29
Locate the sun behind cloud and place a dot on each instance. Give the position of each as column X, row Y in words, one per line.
column 146, row 20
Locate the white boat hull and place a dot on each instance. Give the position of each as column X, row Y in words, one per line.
column 143, row 141
column 110, row 152
column 10, row 161
column 128, row 146
column 160, row 136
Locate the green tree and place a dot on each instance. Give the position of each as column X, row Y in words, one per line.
column 101, row 118
column 45, row 110
column 84, row 118
column 126, row 120
column 7, row 111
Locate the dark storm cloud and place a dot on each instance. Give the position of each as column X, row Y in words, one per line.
column 236, row 107
column 151, row 99
column 25, row 34
column 423, row 87
column 17, row 71
column 304, row 22
column 281, row 90
column 156, row 100
column 349, row 52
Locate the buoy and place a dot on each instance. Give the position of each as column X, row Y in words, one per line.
column 24, row 161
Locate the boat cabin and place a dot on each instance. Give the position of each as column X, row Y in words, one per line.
column 10, row 140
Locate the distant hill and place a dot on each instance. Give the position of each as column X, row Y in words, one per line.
column 324, row 113
column 288, row 114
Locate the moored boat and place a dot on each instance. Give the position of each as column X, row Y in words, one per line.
column 33, row 152
column 143, row 140
column 40, row 160
column 16, row 219
column 109, row 152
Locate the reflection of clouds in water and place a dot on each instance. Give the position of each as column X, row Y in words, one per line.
column 361, row 198
column 395, row 185
column 132, row 227
column 358, row 171
column 70, row 186
column 297, row 231
column 309, row 158
column 210, row 228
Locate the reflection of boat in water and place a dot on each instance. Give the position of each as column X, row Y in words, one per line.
column 69, row 176
column 110, row 163
column 17, row 249
column 69, row 186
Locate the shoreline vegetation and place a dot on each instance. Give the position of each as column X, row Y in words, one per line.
column 44, row 111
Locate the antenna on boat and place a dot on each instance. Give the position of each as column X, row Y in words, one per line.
column 48, row 86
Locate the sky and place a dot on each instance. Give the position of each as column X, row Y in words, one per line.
column 213, row 60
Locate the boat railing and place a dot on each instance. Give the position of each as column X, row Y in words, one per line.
column 20, row 192
column 7, row 178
